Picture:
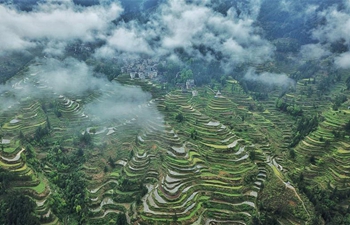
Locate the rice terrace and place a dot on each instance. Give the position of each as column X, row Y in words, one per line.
column 175, row 112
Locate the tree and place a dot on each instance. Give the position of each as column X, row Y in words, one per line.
column 252, row 155
column 175, row 218
column 80, row 152
column 255, row 220
column 347, row 127
column 48, row 124
column 57, row 112
column 193, row 134
column 78, row 208
column 312, row 159
column 21, row 135
column 85, row 138
column 40, row 133
column 292, row 153
column 93, row 130
column 179, row 117
column 131, row 154
column 111, row 162
column 185, row 75
column 121, row 219
column 17, row 209
column 327, row 143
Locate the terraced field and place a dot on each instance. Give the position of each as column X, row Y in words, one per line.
column 28, row 181
column 181, row 165
column 330, row 165
column 204, row 159
column 195, row 182
column 206, row 174
column 58, row 118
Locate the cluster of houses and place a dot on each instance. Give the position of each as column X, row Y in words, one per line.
column 142, row 68
column 190, row 84
column 148, row 68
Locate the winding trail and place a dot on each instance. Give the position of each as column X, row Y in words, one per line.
column 296, row 194
column 274, row 168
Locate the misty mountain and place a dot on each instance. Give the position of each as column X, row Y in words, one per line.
column 175, row 112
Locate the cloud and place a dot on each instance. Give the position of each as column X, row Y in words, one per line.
column 50, row 78
column 180, row 24
column 298, row 10
column 55, row 48
column 334, row 29
column 269, row 78
column 311, row 10
column 123, row 102
column 126, row 38
column 69, row 76
column 343, row 60
column 286, row 5
column 53, row 77
column 52, row 21
column 194, row 27
column 313, row 51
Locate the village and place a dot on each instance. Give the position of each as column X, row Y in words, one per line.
column 142, row 68
column 148, row 69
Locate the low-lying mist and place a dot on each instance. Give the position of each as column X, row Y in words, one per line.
column 51, row 79
column 269, row 78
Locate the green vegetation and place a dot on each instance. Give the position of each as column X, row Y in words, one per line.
column 16, row 208
column 228, row 150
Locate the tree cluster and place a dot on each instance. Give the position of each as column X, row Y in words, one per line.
column 327, row 202
column 17, row 209
column 339, row 99
column 305, row 125
column 289, row 108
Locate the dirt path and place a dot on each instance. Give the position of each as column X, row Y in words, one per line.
column 274, row 168
column 298, row 196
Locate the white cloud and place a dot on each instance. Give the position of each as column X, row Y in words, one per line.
column 269, row 78
column 71, row 77
column 313, row 51
column 128, row 40
column 175, row 24
column 55, row 48
column 286, row 5
column 335, row 29
column 311, row 9
column 67, row 76
column 337, row 26
column 57, row 22
column 182, row 24
column 343, row 60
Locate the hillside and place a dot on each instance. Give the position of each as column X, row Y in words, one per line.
column 209, row 157
column 175, row 112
